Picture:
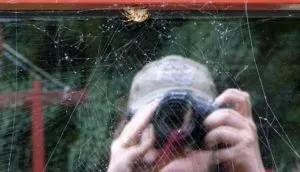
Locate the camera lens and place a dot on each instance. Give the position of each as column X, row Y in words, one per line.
column 172, row 115
column 169, row 116
column 184, row 111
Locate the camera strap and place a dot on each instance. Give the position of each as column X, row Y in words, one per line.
column 173, row 148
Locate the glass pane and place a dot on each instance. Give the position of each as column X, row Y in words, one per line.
column 100, row 54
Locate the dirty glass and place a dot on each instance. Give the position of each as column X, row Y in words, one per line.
column 84, row 65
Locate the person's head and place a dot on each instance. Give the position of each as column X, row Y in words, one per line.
column 159, row 77
column 171, row 72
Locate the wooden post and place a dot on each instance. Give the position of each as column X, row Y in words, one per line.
column 38, row 140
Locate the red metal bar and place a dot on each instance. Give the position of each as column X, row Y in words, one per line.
column 68, row 99
column 151, row 4
column 38, row 141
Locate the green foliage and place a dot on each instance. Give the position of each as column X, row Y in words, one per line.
column 22, row 35
column 14, row 145
column 95, row 122
column 222, row 45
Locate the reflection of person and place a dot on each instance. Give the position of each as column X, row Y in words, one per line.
column 133, row 149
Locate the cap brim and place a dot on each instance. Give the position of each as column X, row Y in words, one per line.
column 160, row 93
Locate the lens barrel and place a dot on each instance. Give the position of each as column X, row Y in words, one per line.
column 181, row 110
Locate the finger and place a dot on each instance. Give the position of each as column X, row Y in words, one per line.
column 226, row 155
column 200, row 156
column 137, row 124
column 146, row 142
column 195, row 161
column 222, row 135
column 227, row 117
column 237, row 98
column 151, row 156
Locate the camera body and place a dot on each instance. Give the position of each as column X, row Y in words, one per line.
column 181, row 110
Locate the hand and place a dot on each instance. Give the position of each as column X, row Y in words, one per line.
column 135, row 140
column 195, row 161
column 235, row 128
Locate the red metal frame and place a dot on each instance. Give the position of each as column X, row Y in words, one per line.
column 59, row 98
column 45, row 5
column 38, row 138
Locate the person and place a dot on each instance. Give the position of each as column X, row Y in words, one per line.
column 133, row 147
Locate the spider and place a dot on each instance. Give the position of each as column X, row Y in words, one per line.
column 136, row 15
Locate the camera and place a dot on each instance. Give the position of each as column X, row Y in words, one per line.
column 185, row 111
column 181, row 110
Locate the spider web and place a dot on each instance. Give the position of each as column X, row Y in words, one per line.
column 102, row 53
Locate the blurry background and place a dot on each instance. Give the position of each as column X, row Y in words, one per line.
column 102, row 54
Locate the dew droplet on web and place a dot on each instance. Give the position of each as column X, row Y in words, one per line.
column 66, row 56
